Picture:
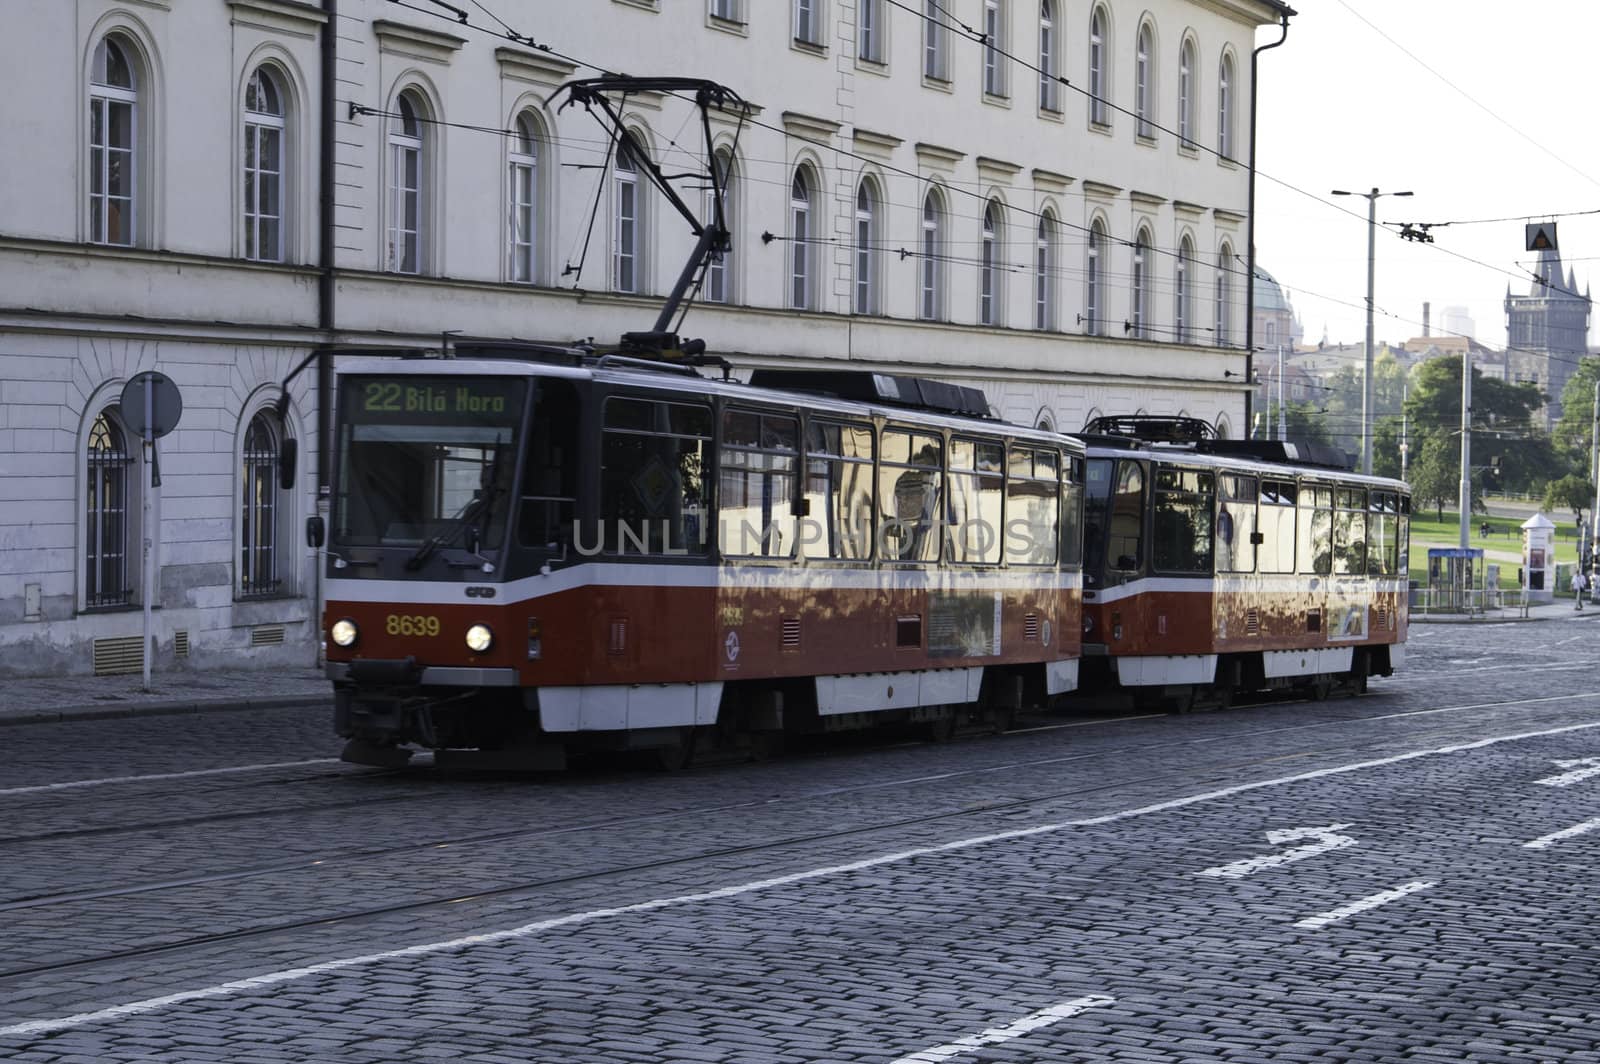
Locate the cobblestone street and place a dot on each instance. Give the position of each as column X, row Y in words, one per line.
column 1406, row 875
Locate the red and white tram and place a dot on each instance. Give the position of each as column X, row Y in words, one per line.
column 536, row 550
column 1215, row 567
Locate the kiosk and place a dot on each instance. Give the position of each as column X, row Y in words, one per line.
column 1539, row 558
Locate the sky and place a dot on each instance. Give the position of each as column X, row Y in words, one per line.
column 1341, row 107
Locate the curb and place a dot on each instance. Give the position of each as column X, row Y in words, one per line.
column 172, row 708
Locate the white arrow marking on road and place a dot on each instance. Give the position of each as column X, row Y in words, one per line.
column 1251, row 865
column 1372, row 901
column 1567, row 779
column 1547, row 841
column 996, row 1035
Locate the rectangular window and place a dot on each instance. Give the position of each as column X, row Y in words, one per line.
column 976, row 490
column 910, row 472
column 654, row 492
column 1277, row 517
column 1236, row 525
column 111, row 168
column 838, row 491
column 521, row 210
column 869, row 31
column 1383, row 535
column 1350, row 532
column 1182, row 526
column 405, row 209
column 263, row 192
column 1315, row 545
column 726, row 9
column 1072, row 511
column 626, row 272
column 994, row 71
column 1033, row 493
column 933, row 44
column 757, row 462
column 806, row 18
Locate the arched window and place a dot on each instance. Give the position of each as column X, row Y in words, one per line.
column 522, row 205
column 866, row 301
column 1049, row 93
column 1141, row 284
column 113, row 139
column 1182, row 313
column 801, row 235
column 1225, row 108
column 719, row 278
column 1186, row 94
column 934, row 61
column 1144, row 97
column 406, row 173
column 930, row 306
column 869, row 30
column 1044, row 269
column 994, row 48
column 263, row 167
column 1094, row 300
column 105, row 563
column 628, row 239
column 989, row 268
column 1099, row 113
column 1221, row 310
column 258, row 520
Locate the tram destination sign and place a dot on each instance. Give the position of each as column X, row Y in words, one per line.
column 433, row 399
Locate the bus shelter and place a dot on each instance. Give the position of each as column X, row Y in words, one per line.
column 1455, row 578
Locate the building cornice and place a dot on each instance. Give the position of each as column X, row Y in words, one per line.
column 1249, row 12
column 996, row 171
column 1227, row 217
column 1189, row 210
column 1050, row 181
column 397, row 38
column 936, row 157
column 1100, row 189
column 537, row 68
column 281, row 16
column 879, row 146
column 809, row 127
column 1146, row 199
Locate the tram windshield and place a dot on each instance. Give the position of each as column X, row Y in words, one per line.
column 426, row 462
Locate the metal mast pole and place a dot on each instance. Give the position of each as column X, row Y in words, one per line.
column 1466, row 444
column 1366, row 377
column 1594, row 470
column 1283, row 423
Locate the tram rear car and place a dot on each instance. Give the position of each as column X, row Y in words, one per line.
column 1216, row 568
column 536, row 551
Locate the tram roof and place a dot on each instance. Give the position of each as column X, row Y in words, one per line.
column 1112, row 446
column 682, row 380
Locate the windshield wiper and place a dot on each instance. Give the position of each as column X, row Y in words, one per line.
column 476, row 511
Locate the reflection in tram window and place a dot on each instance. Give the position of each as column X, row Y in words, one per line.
column 1236, row 525
column 1316, row 529
column 653, row 491
column 1124, row 540
column 1182, row 525
column 975, row 490
column 548, row 498
column 1383, row 539
column 1350, row 532
column 1277, row 516
column 1032, row 494
column 755, row 501
column 838, row 491
column 908, row 495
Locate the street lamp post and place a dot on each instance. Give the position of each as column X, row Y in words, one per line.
column 1366, row 380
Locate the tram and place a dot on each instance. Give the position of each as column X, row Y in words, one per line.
column 1214, row 568
column 537, row 550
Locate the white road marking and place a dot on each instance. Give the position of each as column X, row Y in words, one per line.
column 1328, row 840
column 61, row 1023
column 1545, row 842
column 230, row 770
column 1567, row 779
column 1372, row 901
column 996, row 1035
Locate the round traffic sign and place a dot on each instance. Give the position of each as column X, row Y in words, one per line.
column 165, row 404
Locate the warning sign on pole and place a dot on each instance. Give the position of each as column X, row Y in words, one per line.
column 1541, row 236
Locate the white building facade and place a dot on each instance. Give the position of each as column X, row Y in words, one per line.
column 1045, row 199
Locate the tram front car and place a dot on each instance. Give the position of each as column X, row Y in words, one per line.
column 451, row 483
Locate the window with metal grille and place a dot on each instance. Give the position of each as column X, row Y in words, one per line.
column 258, row 521
column 105, row 569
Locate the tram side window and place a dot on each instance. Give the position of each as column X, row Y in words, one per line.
column 1404, row 569
column 1277, row 516
column 1383, row 543
column 548, row 498
column 1099, row 477
column 1072, row 521
column 1316, row 529
column 654, row 457
column 755, row 491
column 1182, row 529
column 1350, row 532
column 1125, row 537
column 1033, row 479
column 974, row 494
column 838, row 491
column 1236, row 524
column 909, row 481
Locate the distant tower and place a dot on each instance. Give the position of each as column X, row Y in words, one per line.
column 1547, row 330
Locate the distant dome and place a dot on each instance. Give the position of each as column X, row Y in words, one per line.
column 1269, row 294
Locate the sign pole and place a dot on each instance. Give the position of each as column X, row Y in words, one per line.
column 149, row 533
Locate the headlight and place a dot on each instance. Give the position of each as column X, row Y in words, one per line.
column 479, row 638
column 344, row 632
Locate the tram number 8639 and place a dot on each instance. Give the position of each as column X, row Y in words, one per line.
column 407, row 624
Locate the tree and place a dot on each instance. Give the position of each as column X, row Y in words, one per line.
column 1573, row 432
column 1502, row 426
column 1435, row 474
column 1571, row 492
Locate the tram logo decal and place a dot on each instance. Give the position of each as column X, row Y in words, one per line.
column 730, row 647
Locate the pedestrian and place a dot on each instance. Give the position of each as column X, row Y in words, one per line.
column 1577, row 588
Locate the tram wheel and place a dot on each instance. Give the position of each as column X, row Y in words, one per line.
column 943, row 729
column 1320, row 688
column 676, row 756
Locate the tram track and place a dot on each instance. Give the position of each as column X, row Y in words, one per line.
column 1226, row 771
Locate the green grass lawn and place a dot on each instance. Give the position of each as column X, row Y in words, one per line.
column 1503, row 545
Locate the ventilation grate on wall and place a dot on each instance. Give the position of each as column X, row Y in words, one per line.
column 619, row 636
column 266, row 635
column 1030, row 628
column 791, row 633
column 1252, row 622
column 122, row 654
column 180, row 644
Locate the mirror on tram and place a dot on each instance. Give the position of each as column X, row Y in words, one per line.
column 288, row 450
column 316, row 531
